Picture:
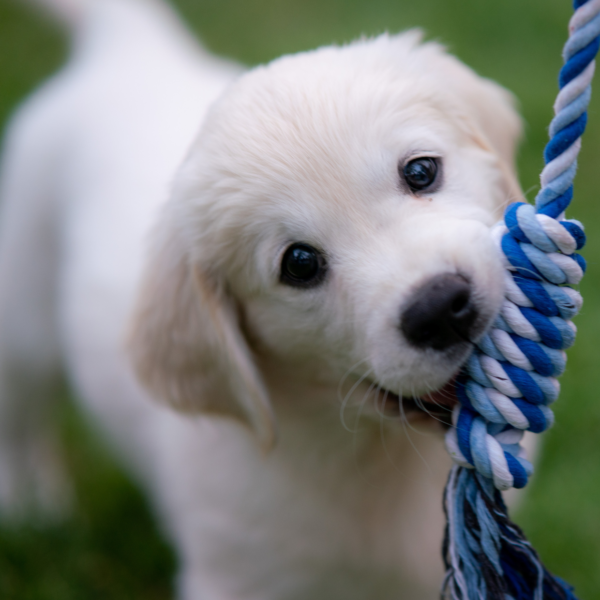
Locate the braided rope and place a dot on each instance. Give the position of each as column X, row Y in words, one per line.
column 510, row 379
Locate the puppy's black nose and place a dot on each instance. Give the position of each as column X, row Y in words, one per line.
column 440, row 314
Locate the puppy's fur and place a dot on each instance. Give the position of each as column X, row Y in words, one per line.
column 269, row 482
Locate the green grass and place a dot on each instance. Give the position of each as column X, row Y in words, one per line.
column 107, row 548
column 110, row 549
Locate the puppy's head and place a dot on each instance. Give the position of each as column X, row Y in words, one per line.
column 332, row 216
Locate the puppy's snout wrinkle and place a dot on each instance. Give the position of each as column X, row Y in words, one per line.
column 440, row 314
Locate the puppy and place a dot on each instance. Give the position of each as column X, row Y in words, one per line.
column 319, row 269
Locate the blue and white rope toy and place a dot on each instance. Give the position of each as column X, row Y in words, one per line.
column 510, row 380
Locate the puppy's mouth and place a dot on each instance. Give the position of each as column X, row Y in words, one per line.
column 437, row 405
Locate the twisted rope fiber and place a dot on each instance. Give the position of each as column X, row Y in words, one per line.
column 510, row 379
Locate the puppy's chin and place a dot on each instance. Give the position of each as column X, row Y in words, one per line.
column 433, row 408
column 428, row 391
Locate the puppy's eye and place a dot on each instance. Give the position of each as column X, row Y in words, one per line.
column 420, row 173
column 302, row 266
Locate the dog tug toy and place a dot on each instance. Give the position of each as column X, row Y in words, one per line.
column 509, row 381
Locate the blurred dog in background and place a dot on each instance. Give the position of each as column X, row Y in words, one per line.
column 319, row 269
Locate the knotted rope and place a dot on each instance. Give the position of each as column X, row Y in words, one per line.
column 510, row 380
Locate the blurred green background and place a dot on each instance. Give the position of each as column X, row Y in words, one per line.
column 109, row 547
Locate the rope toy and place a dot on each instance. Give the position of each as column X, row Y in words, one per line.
column 509, row 381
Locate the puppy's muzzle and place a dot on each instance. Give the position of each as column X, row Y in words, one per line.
column 440, row 314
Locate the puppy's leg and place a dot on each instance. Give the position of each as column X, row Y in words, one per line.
column 31, row 476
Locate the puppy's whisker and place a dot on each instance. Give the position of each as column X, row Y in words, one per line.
column 363, row 402
column 405, row 418
column 533, row 188
column 355, row 439
column 380, row 406
column 345, row 376
column 514, row 197
column 361, row 406
column 442, row 392
column 405, row 422
column 379, row 399
column 347, row 398
column 380, row 402
column 421, row 405
column 418, row 400
column 382, row 420
column 445, row 407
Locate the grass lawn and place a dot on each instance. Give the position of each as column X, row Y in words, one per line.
column 110, row 548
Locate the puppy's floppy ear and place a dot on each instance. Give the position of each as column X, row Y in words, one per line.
column 185, row 341
column 493, row 113
column 496, row 127
column 488, row 114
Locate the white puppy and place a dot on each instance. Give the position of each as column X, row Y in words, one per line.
column 324, row 255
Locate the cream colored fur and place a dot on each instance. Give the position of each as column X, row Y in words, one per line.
column 278, row 477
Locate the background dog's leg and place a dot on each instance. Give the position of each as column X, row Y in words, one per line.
column 31, row 476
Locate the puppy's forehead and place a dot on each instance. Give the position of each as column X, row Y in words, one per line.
column 311, row 144
column 332, row 116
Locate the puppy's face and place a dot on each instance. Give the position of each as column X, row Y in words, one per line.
column 343, row 198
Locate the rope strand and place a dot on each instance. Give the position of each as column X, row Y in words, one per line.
column 510, row 380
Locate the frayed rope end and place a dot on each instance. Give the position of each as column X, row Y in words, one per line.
column 486, row 555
